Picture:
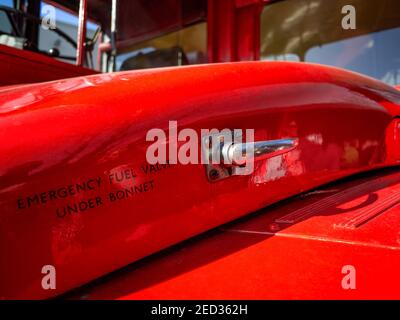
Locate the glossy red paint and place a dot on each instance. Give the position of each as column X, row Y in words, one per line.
column 270, row 255
column 234, row 30
column 66, row 132
column 21, row 66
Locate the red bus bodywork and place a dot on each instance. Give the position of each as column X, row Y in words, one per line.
column 61, row 133
column 66, row 132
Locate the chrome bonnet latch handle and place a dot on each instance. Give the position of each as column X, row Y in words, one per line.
column 226, row 155
column 238, row 154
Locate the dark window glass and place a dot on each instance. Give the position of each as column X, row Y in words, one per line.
column 68, row 24
column 5, row 24
column 186, row 46
column 55, row 32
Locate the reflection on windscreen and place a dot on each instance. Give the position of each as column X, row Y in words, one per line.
column 185, row 46
column 68, row 23
column 375, row 55
column 311, row 31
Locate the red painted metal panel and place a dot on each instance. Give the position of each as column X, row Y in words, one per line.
column 18, row 67
column 393, row 139
column 269, row 256
column 83, row 131
column 221, row 31
column 248, row 33
column 244, row 3
column 233, row 30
